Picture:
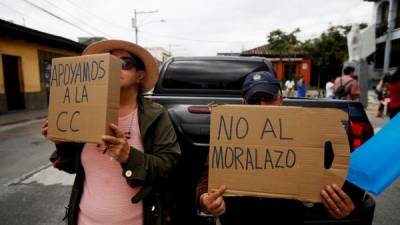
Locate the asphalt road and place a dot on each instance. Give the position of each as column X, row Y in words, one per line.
column 32, row 192
column 387, row 211
column 25, row 196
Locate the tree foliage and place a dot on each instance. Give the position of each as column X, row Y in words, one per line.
column 327, row 52
column 282, row 42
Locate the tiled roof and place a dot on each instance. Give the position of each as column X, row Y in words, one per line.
column 264, row 50
column 15, row 31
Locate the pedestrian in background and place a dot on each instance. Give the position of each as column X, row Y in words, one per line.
column 394, row 93
column 301, row 87
column 381, row 93
column 289, row 87
column 262, row 88
column 329, row 89
column 122, row 182
column 346, row 87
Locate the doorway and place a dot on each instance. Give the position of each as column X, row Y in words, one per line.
column 290, row 71
column 14, row 95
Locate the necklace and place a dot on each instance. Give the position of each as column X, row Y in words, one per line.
column 127, row 134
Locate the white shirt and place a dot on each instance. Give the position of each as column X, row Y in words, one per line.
column 329, row 90
column 289, row 84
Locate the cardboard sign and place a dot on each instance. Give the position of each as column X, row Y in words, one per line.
column 84, row 97
column 277, row 152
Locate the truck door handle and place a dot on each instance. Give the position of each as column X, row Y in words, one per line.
column 199, row 109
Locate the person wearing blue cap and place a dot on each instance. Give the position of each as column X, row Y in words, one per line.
column 263, row 88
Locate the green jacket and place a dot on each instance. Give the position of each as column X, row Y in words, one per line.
column 150, row 168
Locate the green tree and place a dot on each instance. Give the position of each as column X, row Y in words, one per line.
column 284, row 44
column 328, row 52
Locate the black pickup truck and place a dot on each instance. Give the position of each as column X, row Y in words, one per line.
column 185, row 88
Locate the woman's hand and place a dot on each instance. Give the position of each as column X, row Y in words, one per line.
column 117, row 145
column 336, row 201
column 45, row 128
column 214, row 203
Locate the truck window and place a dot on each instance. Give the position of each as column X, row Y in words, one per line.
column 211, row 75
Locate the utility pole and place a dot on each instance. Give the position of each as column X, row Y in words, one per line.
column 135, row 23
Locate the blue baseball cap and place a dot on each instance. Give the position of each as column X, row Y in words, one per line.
column 261, row 81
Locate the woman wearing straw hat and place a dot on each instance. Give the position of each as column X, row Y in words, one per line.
column 123, row 181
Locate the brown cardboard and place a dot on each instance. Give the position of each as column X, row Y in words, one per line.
column 297, row 135
column 84, row 97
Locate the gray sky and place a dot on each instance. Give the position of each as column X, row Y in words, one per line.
column 202, row 27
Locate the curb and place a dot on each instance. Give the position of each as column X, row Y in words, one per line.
column 22, row 120
column 28, row 175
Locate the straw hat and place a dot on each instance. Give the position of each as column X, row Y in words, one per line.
column 150, row 64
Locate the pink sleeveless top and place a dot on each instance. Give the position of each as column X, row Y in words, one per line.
column 106, row 197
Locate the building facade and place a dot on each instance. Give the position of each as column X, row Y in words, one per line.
column 387, row 22
column 25, row 65
column 159, row 53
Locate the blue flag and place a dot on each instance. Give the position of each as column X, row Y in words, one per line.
column 376, row 164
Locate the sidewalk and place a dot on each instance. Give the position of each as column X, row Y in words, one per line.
column 22, row 116
column 373, row 103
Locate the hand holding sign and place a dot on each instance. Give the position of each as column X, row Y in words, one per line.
column 336, row 201
column 214, row 202
column 117, row 145
column 45, row 128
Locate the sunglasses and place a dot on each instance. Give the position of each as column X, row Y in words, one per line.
column 128, row 63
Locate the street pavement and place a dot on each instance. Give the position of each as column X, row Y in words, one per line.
column 29, row 193
column 387, row 209
column 33, row 192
